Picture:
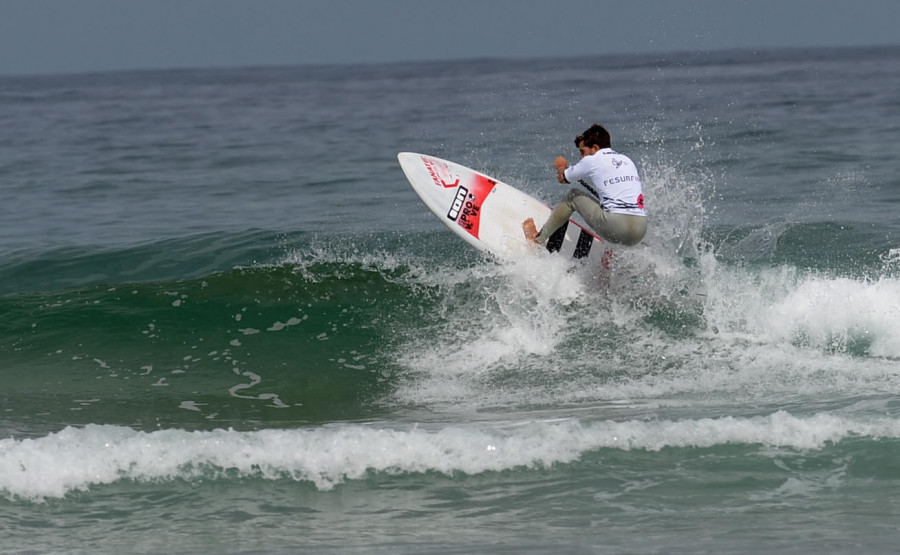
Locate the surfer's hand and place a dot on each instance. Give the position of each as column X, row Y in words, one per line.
column 561, row 165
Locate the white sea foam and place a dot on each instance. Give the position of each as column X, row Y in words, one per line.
column 80, row 458
column 767, row 332
column 785, row 306
column 830, row 313
column 496, row 316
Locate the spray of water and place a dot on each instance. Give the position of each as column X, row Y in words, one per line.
column 679, row 317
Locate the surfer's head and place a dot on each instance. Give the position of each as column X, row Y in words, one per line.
column 595, row 136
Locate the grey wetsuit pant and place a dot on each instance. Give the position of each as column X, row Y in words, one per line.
column 623, row 229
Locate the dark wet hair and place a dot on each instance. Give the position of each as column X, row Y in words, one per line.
column 595, row 135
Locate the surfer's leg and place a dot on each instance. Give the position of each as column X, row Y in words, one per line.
column 626, row 229
column 560, row 215
column 623, row 229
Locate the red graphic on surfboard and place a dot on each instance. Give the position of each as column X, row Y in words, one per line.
column 466, row 207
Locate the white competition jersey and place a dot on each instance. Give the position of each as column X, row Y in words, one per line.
column 615, row 178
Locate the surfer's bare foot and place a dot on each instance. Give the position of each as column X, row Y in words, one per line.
column 530, row 230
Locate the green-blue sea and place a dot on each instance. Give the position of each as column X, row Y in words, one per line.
column 229, row 325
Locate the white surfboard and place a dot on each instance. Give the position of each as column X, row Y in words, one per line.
column 488, row 214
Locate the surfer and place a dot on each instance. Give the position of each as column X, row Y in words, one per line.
column 614, row 208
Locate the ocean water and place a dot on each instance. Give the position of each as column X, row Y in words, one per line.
column 228, row 325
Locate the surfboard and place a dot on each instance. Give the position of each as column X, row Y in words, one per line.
column 488, row 214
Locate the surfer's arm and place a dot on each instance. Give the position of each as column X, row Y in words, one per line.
column 574, row 174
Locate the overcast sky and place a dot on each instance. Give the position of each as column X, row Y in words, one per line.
column 64, row 36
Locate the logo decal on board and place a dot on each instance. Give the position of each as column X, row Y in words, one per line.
column 471, row 215
column 440, row 173
column 458, row 202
